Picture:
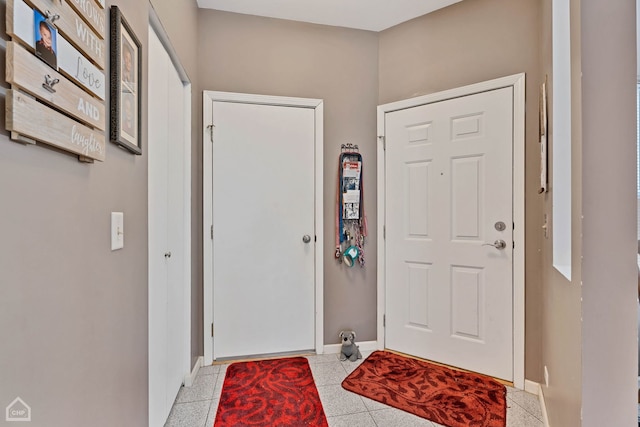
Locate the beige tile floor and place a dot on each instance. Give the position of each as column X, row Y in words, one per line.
column 196, row 406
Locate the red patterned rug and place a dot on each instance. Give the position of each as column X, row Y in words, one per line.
column 443, row 395
column 266, row 393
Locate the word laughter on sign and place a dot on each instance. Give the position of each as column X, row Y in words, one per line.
column 30, row 118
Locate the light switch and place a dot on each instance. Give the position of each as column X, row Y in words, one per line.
column 117, row 230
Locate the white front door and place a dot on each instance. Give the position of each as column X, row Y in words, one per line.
column 263, row 207
column 449, row 197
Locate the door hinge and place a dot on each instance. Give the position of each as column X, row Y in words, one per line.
column 210, row 127
column 384, row 231
column 514, row 244
column 212, row 232
column 384, row 142
column 315, row 238
column 211, row 329
column 384, row 320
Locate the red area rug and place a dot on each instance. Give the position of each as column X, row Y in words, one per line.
column 443, row 395
column 278, row 392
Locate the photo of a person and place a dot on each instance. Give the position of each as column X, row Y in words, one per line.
column 125, row 101
column 128, row 115
column 45, row 40
column 128, row 75
column 351, row 183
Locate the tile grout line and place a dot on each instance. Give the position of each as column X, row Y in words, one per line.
column 525, row 409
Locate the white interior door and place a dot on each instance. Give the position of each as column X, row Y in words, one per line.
column 263, row 206
column 158, row 282
column 169, row 271
column 449, row 291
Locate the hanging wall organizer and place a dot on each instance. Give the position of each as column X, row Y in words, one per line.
column 351, row 223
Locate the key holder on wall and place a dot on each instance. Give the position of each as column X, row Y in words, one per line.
column 351, row 224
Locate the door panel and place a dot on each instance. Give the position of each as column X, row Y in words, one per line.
column 448, row 181
column 169, row 347
column 263, row 205
column 177, row 321
column 159, row 393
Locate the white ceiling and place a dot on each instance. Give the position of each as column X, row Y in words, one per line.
column 373, row 15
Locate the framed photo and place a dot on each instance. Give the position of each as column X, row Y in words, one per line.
column 45, row 39
column 125, row 101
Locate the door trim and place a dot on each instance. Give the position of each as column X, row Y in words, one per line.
column 517, row 82
column 207, row 204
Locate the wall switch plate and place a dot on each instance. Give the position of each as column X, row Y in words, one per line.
column 117, row 230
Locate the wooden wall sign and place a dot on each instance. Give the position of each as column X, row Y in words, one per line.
column 91, row 13
column 75, row 30
column 57, row 99
column 28, row 117
column 28, row 73
column 71, row 62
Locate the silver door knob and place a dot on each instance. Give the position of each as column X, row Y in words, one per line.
column 167, row 254
column 306, row 238
column 498, row 244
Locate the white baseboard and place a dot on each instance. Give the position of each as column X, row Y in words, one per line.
column 190, row 378
column 535, row 388
column 364, row 346
column 532, row 387
column 543, row 406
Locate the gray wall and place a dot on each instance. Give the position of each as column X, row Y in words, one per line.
column 73, row 314
column 466, row 43
column 609, row 242
column 589, row 323
column 562, row 308
column 241, row 53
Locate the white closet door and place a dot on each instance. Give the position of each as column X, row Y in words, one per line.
column 168, row 252
column 263, row 207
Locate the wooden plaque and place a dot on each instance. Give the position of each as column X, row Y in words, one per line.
column 75, row 30
column 91, row 13
column 71, row 62
column 28, row 73
column 26, row 116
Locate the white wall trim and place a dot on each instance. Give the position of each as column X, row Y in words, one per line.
column 543, row 407
column 517, row 82
column 186, row 274
column 207, row 185
column 532, row 387
column 319, row 224
column 191, row 377
column 364, row 346
column 207, row 224
column 535, row 388
column 382, row 255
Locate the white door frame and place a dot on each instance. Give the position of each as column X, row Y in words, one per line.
column 517, row 82
column 207, row 204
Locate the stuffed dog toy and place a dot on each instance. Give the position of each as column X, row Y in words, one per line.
column 349, row 348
